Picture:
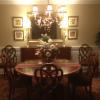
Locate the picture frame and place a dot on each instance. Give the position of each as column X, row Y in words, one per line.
column 18, row 35
column 17, row 22
column 73, row 21
column 72, row 34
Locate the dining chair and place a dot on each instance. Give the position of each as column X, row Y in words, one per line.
column 8, row 55
column 85, row 76
column 48, row 82
column 15, row 80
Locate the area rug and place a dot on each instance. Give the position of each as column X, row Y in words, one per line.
column 20, row 94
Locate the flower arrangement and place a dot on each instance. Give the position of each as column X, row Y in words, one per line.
column 47, row 50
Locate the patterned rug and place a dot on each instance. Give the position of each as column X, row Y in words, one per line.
column 20, row 94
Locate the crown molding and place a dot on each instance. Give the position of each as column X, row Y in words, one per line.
column 31, row 2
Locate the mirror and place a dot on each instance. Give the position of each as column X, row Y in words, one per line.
column 40, row 26
column 54, row 31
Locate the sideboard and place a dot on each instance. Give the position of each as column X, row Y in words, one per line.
column 29, row 53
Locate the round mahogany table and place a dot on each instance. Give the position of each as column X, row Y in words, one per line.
column 27, row 68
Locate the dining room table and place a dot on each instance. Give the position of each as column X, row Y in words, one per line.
column 28, row 67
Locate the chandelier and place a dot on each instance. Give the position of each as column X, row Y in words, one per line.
column 45, row 20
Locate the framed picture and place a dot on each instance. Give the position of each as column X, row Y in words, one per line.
column 73, row 21
column 72, row 34
column 17, row 22
column 19, row 35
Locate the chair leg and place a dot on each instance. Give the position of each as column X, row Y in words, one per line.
column 11, row 91
column 88, row 89
column 73, row 90
column 29, row 93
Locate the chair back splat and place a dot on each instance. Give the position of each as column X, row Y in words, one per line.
column 84, row 52
column 49, row 78
column 9, row 58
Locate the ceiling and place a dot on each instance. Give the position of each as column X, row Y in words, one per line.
column 59, row 2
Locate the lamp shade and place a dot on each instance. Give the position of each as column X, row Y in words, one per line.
column 26, row 23
column 35, row 9
column 49, row 7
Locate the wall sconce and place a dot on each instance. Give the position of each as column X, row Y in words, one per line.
column 26, row 26
column 64, row 26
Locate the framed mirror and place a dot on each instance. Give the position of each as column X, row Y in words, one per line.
column 53, row 30
column 36, row 30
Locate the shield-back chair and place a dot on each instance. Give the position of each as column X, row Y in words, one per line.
column 48, row 78
column 15, row 80
column 85, row 76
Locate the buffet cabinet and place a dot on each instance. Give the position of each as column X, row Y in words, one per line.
column 29, row 53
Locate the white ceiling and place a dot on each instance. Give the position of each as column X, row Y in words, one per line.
column 26, row 2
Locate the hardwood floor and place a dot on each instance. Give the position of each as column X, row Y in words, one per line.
column 21, row 93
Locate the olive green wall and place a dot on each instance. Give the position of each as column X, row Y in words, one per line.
column 89, row 23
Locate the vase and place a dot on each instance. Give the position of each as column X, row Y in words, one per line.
column 48, row 56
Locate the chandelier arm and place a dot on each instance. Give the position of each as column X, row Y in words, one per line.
column 48, row 2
